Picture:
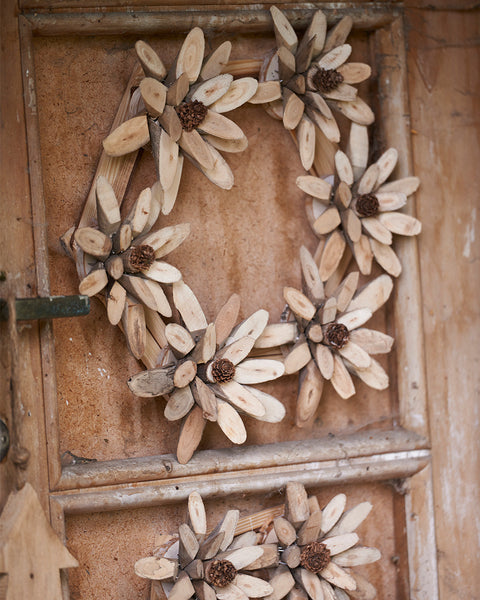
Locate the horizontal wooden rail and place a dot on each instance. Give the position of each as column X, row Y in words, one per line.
column 229, row 19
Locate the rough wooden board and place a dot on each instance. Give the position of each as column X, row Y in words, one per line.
column 444, row 81
column 17, row 220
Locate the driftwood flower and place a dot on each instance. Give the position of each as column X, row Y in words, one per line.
column 121, row 260
column 360, row 210
column 314, row 77
column 210, row 377
column 210, row 566
column 329, row 339
column 184, row 114
column 319, row 547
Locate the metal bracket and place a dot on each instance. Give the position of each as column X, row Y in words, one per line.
column 50, row 307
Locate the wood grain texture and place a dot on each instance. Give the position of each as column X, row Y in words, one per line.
column 444, row 68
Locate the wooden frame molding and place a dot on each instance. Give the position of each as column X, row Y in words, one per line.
column 368, row 456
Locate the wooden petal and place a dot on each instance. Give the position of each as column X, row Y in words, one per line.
column 345, row 291
column 327, row 221
column 241, row 397
column 363, row 254
column 152, row 383
column 364, row 589
column 196, row 512
column 253, row 587
column 304, row 53
column 368, row 180
column 357, row 148
column 343, row 91
column 165, row 240
column 285, row 531
column 299, row 303
column 340, row 543
column 155, row 207
column 311, row 583
column 309, row 395
column 226, row 318
column 327, row 126
column 293, row 108
column 386, row 163
column 343, row 167
column 391, row 200
column 310, row 530
column 240, row 91
column 188, row 545
column 267, row 91
column 253, row 326
column 167, row 160
column 354, row 72
column 127, row 137
column 192, row 143
column 148, row 292
column 337, row 576
column 108, row 211
column 231, row 423
column 338, row 34
column 311, row 276
column 162, row 272
column 179, row 338
column 115, row 303
column 286, row 64
column 329, row 311
column 373, row 342
column 169, row 119
column 282, row 582
column 352, row 225
column 400, row 223
column 352, row 519
column 188, row 306
column 355, row 110
column 139, row 213
column 314, row 186
column 150, row 61
column 190, row 435
column 114, row 266
column 355, row 318
column 306, row 142
column 217, row 61
column 328, row 592
column 133, row 322
column 354, row 557
column 386, row 258
column 298, row 357
column 249, row 538
column 213, row 89
column 230, row 592
column 333, row 511
column 317, row 28
column 154, row 95
column 324, row 359
column 332, row 254
column 159, row 569
column 220, row 126
column 284, row 33
column 205, row 398
column 258, row 370
column 237, row 350
column 407, row 186
column 341, row 379
column 274, row 409
column 228, row 526
column 220, row 174
column 93, row 241
column 206, row 345
column 316, row 101
column 277, row 334
column 335, row 57
column 179, row 404
column 156, row 327
column 376, row 230
column 373, row 295
column 244, row 557
column 227, row 145
column 374, row 376
column 190, row 57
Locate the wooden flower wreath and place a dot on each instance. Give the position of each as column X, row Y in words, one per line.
column 297, row 550
column 206, row 371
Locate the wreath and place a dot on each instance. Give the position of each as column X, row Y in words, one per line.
column 208, row 371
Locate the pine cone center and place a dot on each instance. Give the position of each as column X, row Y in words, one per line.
column 221, row 572
column 336, row 335
column 326, row 80
column 139, row 258
column 367, row 205
column 223, row 370
column 191, row 114
column 315, row 557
